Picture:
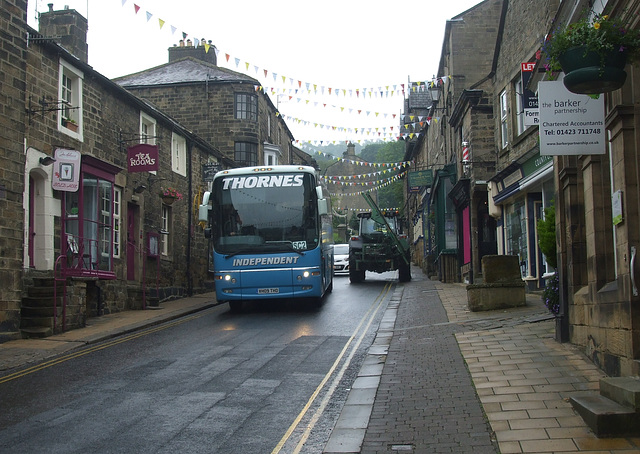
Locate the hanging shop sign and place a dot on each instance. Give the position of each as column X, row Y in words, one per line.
column 142, row 158
column 66, row 171
column 570, row 124
column 419, row 178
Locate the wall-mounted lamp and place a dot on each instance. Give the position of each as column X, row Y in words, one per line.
column 434, row 91
column 140, row 188
column 46, row 160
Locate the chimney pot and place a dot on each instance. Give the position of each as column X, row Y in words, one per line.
column 50, row 5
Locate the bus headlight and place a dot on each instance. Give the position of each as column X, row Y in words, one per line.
column 226, row 278
column 305, row 274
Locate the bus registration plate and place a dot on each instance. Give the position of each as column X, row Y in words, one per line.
column 262, row 291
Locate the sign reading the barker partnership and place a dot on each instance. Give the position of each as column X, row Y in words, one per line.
column 142, row 158
column 570, row 124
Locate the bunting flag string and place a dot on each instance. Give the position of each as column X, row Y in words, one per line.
column 343, row 109
column 379, row 131
column 387, row 90
column 375, row 185
column 319, row 142
column 294, row 88
column 367, row 93
column 400, row 164
column 365, row 183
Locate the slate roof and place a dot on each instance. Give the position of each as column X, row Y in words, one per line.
column 187, row 70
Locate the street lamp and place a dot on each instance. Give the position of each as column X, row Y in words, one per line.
column 434, row 91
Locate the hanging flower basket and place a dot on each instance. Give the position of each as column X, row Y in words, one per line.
column 592, row 53
column 170, row 195
column 168, row 200
column 587, row 73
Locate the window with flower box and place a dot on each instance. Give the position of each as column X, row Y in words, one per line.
column 70, row 99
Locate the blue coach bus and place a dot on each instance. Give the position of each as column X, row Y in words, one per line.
column 270, row 233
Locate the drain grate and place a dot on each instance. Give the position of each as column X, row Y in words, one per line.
column 402, row 448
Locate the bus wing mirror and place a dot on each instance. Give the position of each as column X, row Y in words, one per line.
column 203, row 209
column 323, row 207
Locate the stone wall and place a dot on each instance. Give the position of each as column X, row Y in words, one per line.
column 12, row 122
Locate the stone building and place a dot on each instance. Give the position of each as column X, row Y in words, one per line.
column 597, row 262
column 416, row 107
column 522, row 186
column 452, row 204
column 226, row 108
column 85, row 165
column 597, row 251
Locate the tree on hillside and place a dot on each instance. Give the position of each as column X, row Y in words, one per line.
column 391, row 195
column 370, row 152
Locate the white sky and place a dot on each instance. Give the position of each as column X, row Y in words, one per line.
column 340, row 44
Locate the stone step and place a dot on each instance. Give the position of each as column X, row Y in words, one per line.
column 39, row 311
column 36, row 322
column 623, row 390
column 6, row 336
column 36, row 332
column 605, row 417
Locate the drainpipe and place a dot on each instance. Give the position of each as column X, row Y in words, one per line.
column 190, row 219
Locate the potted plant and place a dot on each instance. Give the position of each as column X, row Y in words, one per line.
column 170, row 195
column 70, row 124
column 547, row 241
column 592, row 53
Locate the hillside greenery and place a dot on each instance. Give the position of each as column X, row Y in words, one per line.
column 389, row 196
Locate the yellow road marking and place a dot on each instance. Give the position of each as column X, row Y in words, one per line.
column 77, row 354
column 370, row 315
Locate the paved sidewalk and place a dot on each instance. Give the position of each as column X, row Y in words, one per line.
column 447, row 380
column 19, row 353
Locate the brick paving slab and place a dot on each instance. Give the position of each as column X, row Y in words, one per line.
column 527, row 402
column 456, row 381
column 426, row 401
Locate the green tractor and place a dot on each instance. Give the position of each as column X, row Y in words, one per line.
column 379, row 246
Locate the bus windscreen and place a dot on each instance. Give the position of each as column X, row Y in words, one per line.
column 265, row 213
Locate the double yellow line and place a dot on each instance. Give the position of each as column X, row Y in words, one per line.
column 95, row 348
column 359, row 332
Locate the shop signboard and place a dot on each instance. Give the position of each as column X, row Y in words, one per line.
column 529, row 98
column 66, row 170
column 570, row 124
column 420, row 178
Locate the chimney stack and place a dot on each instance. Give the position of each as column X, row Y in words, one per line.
column 187, row 49
column 68, row 28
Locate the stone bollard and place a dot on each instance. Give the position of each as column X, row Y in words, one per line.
column 503, row 286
